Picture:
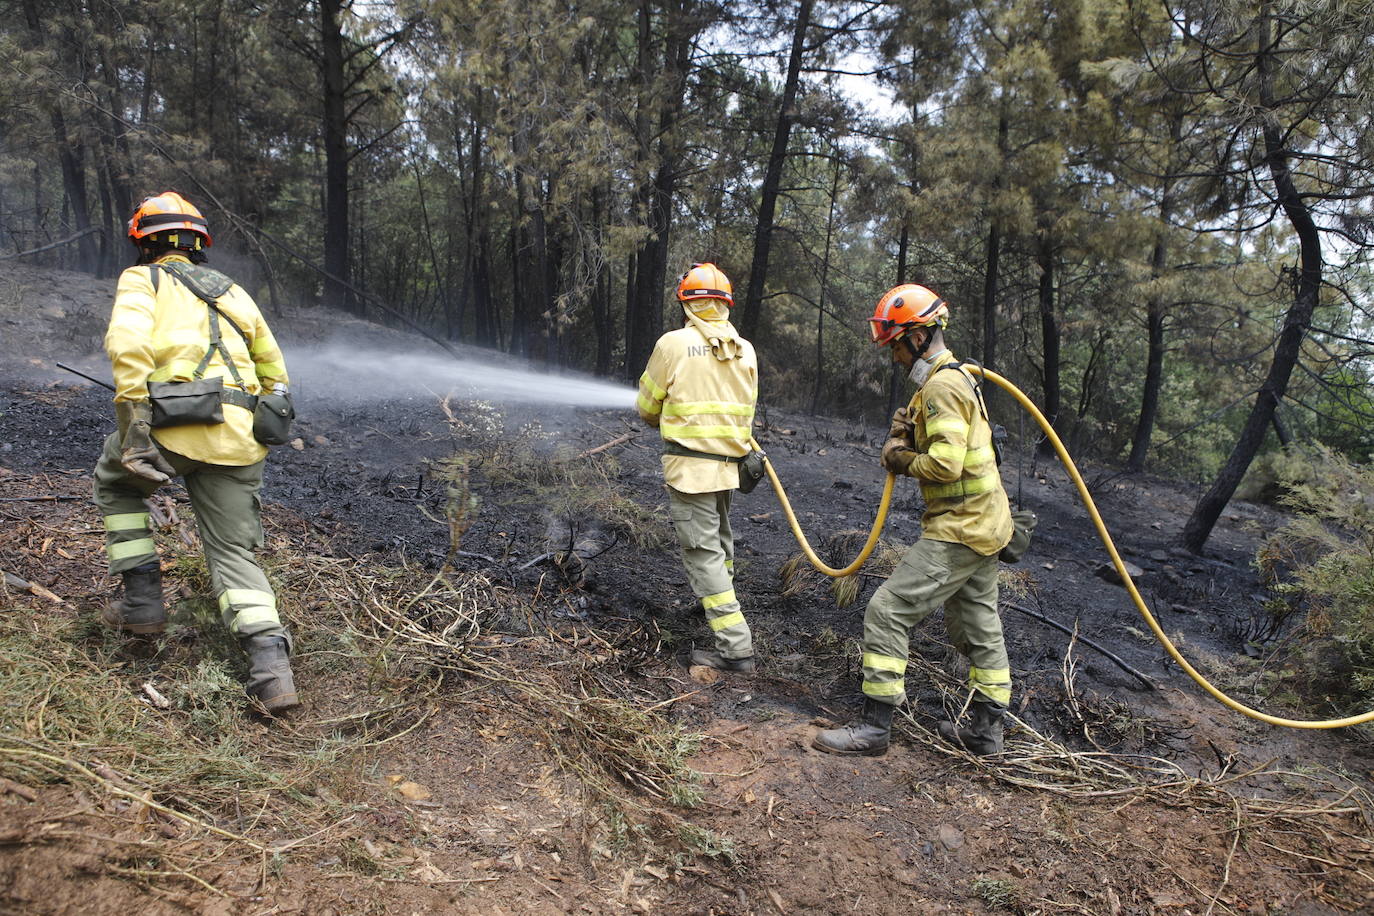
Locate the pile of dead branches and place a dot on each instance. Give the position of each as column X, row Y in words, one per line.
column 1313, row 822
column 568, row 687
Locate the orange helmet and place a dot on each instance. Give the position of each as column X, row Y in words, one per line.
column 705, row 281
column 903, row 308
column 168, row 212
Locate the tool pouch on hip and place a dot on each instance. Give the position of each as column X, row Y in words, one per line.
column 1022, row 524
column 750, row 470
column 272, row 419
column 181, row 403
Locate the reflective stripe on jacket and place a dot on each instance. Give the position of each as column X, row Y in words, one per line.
column 162, row 336
column 702, row 403
column 957, row 468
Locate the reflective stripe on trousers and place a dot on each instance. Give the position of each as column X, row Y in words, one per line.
column 930, row 574
column 129, row 540
column 992, row 683
column 702, row 522
column 247, row 611
column 228, row 516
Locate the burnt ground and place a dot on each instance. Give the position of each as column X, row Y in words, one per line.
column 1112, row 799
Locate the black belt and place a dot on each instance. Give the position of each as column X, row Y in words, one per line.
column 238, row 398
column 682, row 451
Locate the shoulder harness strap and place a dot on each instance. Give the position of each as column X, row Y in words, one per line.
column 998, row 433
column 208, row 285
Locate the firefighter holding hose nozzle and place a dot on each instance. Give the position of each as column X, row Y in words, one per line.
column 200, row 391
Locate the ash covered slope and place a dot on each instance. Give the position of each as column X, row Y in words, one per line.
column 370, row 481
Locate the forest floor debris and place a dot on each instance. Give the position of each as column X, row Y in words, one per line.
column 640, row 786
column 492, row 623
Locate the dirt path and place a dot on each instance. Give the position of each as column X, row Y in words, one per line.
column 520, row 736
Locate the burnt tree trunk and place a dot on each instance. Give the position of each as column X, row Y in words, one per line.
column 601, row 294
column 651, row 272
column 772, row 176
column 992, row 272
column 820, row 307
column 1154, row 319
column 71, row 154
column 335, row 134
column 654, row 199
column 1295, row 325
column 1154, row 379
column 898, row 374
column 1049, row 326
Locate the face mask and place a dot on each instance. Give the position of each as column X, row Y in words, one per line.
column 921, row 369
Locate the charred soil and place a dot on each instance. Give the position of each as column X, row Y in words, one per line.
column 492, row 623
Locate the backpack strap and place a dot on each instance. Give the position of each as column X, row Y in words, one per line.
column 997, row 431
column 199, row 290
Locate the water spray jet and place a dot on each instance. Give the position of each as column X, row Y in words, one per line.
column 348, row 373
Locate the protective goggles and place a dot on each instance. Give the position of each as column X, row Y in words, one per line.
column 885, row 330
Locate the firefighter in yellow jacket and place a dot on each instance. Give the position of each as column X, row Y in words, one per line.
column 181, row 329
column 699, row 390
column 945, row 442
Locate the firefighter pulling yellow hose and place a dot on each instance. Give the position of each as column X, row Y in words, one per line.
column 1102, row 533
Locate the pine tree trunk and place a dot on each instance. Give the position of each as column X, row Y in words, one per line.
column 601, row 294
column 897, row 374
column 1049, row 329
column 633, row 366
column 70, row 155
column 820, row 307
column 1154, row 359
column 644, row 317
column 1295, row 325
column 992, row 276
column 772, row 177
column 1154, row 380
column 335, row 130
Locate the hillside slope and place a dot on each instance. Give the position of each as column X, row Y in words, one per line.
column 492, row 620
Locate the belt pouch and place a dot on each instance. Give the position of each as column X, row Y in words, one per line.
column 1022, row 524
column 272, row 419
column 184, row 403
column 751, row 470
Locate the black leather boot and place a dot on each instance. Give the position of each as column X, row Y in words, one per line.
column 983, row 735
column 140, row 610
column 713, row 659
column 270, row 682
column 867, row 738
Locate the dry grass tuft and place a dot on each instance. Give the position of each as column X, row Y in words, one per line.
column 572, row 486
column 798, row 576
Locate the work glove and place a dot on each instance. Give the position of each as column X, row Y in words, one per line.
column 902, row 427
column 897, row 456
column 137, row 452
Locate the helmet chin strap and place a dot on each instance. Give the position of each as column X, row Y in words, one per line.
column 915, row 353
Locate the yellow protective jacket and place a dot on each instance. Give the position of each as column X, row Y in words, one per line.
column 161, row 336
column 957, row 468
column 702, row 403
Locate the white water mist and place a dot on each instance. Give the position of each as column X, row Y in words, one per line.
column 354, row 373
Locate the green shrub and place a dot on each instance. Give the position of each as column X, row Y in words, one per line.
column 1323, row 563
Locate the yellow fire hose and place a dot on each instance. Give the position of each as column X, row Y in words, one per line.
column 883, row 505
column 1102, row 533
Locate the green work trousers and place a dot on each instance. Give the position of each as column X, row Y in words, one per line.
column 702, row 522
column 228, row 517
column 932, row 573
